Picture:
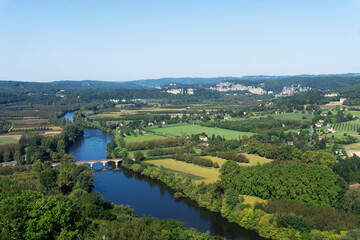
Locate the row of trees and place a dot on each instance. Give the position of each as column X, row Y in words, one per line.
column 256, row 125
column 237, row 157
column 10, row 152
column 195, row 160
column 158, row 143
column 170, row 151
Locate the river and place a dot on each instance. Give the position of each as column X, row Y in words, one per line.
column 147, row 196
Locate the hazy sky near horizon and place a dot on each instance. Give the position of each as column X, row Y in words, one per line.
column 42, row 40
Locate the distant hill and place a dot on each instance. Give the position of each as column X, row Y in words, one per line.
column 140, row 84
column 185, row 80
column 96, row 84
column 268, row 77
column 276, row 81
column 322, row 82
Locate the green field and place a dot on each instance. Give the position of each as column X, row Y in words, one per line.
column 252, row 200
column 8, row 140
column 355, row 113
column 210, row 175
column 287, row 116
column 140, row 138
column 185, row 175
column 253, row 160
column 189, row 129
column 105, row 115
column 353, row 146
column 131, row 153
column 347, row 127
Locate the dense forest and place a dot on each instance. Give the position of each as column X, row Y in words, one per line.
column 47, row 203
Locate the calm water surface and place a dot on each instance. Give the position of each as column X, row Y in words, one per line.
column 147, row 196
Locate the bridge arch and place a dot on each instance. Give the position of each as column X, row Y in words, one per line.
column 92, row 162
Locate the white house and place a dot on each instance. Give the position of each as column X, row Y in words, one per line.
column 203, row 138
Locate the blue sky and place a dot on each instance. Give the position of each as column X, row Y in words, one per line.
column 42, row 40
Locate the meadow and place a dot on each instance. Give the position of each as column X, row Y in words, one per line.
column 144, row 137
column 121, row 113
column 210, row 175
column 355, row 113
column 189, row 129
column 7, row 140
column 255, row 159
column 252, row 200
column 288, row 116
column 353, row 146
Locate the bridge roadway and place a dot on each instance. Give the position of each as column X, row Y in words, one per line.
column 92, row 162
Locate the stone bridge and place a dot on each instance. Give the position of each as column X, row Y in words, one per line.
column 92, row 162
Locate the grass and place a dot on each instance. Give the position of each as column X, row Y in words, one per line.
column 105, row 115
column 8, row 140
column 347, row 127
column 355, row 113
column 354, row 146
column 186, row 175
column 189, row 129
column 255, row 159
column 209, row 175
column 288, row 116
column 131, row 153
column 252, row 200
column 140, row 138
column 292, row 116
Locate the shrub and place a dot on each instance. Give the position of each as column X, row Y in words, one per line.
column 237, row 157
column 193, row 159
column 139, row 156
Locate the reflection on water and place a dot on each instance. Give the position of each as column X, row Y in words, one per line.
column 147, row 196
column 151, row 197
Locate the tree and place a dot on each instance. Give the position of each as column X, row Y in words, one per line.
column 139, row 156
column 7, row 157
column 85, row 181
column 325, row 158
column 228, row 171
column 18, row 158
column 123, row 143
column 67, row 158
column 48, row 177
column 309, row 183
column 296, row 154
column 61, row 146
column 309, row 156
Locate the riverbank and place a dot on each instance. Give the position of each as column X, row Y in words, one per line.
column 218, row 200
column 214, row 198
column 150, row 197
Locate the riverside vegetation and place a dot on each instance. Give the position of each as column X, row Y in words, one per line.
column 306, row 187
